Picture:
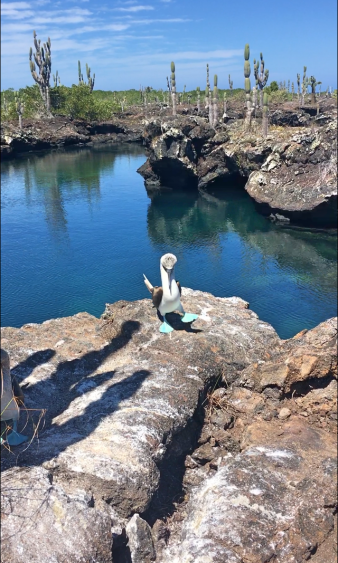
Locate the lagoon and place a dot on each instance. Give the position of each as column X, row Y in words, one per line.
column 78, row 230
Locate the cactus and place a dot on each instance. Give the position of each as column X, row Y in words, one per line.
column 80, row 73
column 231, row 83
column 292, row 90
column 169, row 90
column 261, row 76
column 247, row 85
column 211, row 109
column 207, row 90
column 173, row 87
column 265, row 121
column 91, row 81
column 288, row 86
column 305, row 84
column 19, row 107
column 225, row 105
column 56, row 79
column 298, row 85
column 215, row 100
column 313, row 83
column 183, row 93
column 198, row 89
column 5, row 103
column 43, row 60
column 254, row 99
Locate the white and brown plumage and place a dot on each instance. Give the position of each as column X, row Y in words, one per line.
column 167, row 298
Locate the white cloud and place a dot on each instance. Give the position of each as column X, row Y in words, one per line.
column 59, row 19
column 17, row 14
column 167, row 20
column 9, row 6
column 135, row 9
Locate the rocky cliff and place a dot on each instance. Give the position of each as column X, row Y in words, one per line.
column 215, row 443
column 291, row 174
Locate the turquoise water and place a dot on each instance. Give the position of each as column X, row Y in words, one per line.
column 78, row 231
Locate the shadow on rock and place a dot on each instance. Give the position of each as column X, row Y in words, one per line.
column 94, row 396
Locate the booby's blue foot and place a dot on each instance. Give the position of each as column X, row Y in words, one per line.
column 165, row 326
column 14, row 438
column 189, row 318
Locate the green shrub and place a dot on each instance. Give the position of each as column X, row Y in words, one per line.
column 80, row 103
column 278, row 96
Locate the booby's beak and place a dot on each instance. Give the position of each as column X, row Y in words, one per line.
column 169, row 272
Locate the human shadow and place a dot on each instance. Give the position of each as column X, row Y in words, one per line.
column 77, row 428
column 24, row 369
column 70, row 380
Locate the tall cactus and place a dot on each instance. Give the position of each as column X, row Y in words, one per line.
column 215, row 112
column 207, row 89
column 313, row 83
column 261, row 76
column 81, row 81
column 231, row 83
column 298, row 89
column 198, row 89
column 247, row 85
column 254, row 99
column 91, row 81
column 211, row 109
column 265, row 121
column 305, row 83
column 56, row 79
column 43, row 60
column 225, row 105
column 5, row 103
column 169, row 90
column 19, row 107
column 292, row 90
column 173, row 87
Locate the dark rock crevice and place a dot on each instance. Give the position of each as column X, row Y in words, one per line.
column 303, row 388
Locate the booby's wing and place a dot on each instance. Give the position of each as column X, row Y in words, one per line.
column 148, row 284
column 179, row 287
column 157, row 294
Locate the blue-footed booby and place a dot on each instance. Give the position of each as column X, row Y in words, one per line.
column 167, row 298
column 9, row 407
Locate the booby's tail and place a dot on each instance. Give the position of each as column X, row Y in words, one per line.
column 148, row 284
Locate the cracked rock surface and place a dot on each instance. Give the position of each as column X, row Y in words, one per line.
column 116, row 392
column 213, row 444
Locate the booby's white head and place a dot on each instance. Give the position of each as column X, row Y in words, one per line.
column 167, row 263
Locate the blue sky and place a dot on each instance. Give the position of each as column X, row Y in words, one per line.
column 131, row 43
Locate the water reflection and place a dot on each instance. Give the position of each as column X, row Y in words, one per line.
column 175, row 220
column 64, row 175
